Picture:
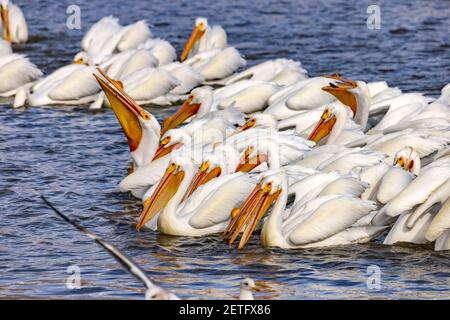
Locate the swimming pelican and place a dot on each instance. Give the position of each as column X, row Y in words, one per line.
column 139, row 126
column 17, row 73
column 204, row 38
column 72, row 84
column 309, row 224
column 152, row 291
column 414, row 204
column 13, row 26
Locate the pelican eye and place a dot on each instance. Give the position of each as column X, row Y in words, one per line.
column 145, row 115
column 165, row 141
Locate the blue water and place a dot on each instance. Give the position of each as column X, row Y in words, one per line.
column 77, row 157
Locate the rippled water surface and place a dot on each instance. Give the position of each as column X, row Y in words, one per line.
column 77, row 157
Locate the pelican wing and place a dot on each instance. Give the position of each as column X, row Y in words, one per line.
column 80, row 83
column 15, row 71
column 148, row 84
column 440, row 223
column 418, row 191
column 214, row 206
column 351, row 235
column 331, row 217
column 222, row 64
column 136, row 34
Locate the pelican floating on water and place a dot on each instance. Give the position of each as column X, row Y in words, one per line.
column 13, row 26
column 204, row 38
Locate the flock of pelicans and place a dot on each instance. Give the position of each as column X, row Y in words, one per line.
column 309, row 161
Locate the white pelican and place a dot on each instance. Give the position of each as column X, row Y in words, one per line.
column 152, row 291
column 406, row 168
column 13, row 26
column 139, row 126
column 204, row 38
column 336, row 126
column 313, row 223
column 17, row 73
column 416, row 205
column 72, row 84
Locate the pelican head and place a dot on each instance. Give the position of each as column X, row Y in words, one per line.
column 139, row 126
column 171, row 140
column 4, row 12
column 259, row 120
column 201, row 24
column 408, row 159
column 253, row 209
column 197, row 104
column 214, row 165
column 324, row 126
column 166, row 189
column 344, row 90
column 81, row 58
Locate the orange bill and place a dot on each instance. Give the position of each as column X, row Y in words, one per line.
column 5, row 22
column 203, row 175
column 322, row 129
column 165, row 190
column 340, row 91
column 197, row 33
column 165, row 149
column 187, row 110
column 125, row 108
